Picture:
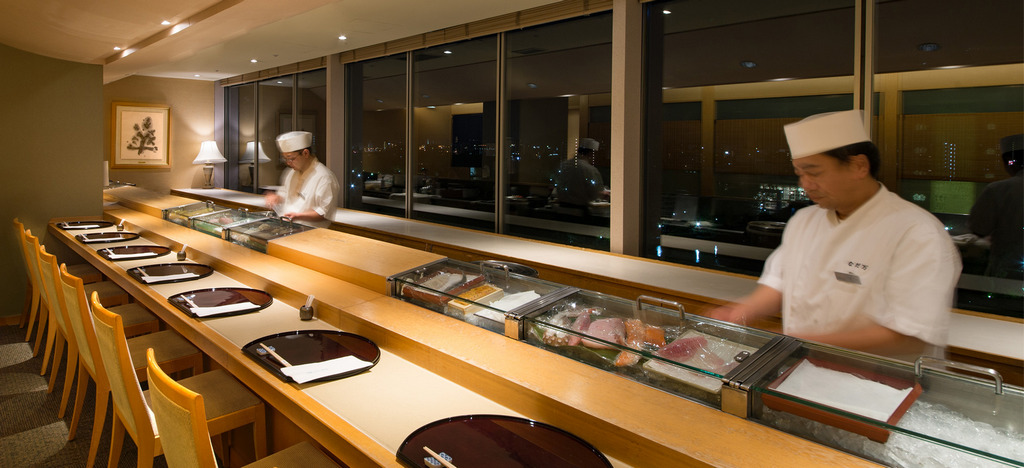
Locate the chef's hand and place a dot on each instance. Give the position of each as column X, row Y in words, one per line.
column 270, row 199
column 735, row 313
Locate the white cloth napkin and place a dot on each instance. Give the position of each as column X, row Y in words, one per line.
column 114, row 256
column 81, row 226
column 89, row 240
column 150, row 279
column 307, row 372
column 224, row 309
column 844, row 391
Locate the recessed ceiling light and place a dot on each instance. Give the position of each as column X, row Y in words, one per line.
column 343, row 37
column 448, row 52
column 928, row 47
column 280, row 82
column 117, row 48
column 254, row 60
column 196, row 75
column 165, row 23
column 666, row 12
column 748, row 64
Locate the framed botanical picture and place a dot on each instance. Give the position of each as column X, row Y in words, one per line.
column 141, row 136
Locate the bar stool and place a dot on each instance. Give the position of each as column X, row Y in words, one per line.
column 76, row 303
column 180, row 415
column 232, row 405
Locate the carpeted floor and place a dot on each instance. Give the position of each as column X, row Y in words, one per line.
column 31, row 434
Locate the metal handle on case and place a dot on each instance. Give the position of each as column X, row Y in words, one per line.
column 640, row 300
column 494, row 264
column 918, row 364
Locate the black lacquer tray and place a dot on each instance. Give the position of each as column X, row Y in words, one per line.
column 77, row 225
column 163, row 273
column 308, row 346
column 133, row 252
column 497, row 441
column 105, row 237
column 221, row 297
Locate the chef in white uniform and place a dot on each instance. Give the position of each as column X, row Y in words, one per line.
column 862, row 268
column 309, row 192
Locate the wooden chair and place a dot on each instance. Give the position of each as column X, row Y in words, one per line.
column 180, row 415
column 58, row 333
column 31, row 314
column 231, row 405
column 76, row 303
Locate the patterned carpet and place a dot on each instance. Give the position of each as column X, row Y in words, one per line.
column 31, row 434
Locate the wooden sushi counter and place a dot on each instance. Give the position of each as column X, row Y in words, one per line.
column 431, row 366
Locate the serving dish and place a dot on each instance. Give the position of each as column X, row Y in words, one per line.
column 80, row 225
column 304, row 347
column 221, row 302
column 133, row 252
column 170, row 272
column 106, row 237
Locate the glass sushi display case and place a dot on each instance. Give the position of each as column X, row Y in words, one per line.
column 932, row 412
column 257, row 234
column 486, row 294
column 183, row 214
column 214, row 223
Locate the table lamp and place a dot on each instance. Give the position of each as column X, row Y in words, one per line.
column 251, row 158
column 208, row 156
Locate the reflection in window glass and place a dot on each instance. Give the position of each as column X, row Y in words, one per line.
column 376, row 135
column 559, row 92
column 275, row 118
column 454, row 122
column 312, row 109
column 723, row 81
column 240, row 102
column 950, row 72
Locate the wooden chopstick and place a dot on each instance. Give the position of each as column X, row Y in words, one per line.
column 438, row 457
column 270, row 351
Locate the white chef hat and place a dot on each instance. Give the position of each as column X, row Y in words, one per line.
column 824, row 132
column 590, row 144
column 1011, row 143
column 294, row 141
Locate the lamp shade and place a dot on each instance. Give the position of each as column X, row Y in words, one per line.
column 250, row 148
column 209, row 154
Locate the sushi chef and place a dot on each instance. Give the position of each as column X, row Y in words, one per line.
column 309, row 191
column 862, row 268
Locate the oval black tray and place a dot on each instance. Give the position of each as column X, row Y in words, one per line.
column 168, row 269
column 154, row 250
column 105, row 237
column 498, row 441
column 307, row 346
column 77, row 225
column 216, row 297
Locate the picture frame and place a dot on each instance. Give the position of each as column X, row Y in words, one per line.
column 140, row 136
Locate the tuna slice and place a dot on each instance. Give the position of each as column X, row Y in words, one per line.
column 580, row 325
column 612, row 330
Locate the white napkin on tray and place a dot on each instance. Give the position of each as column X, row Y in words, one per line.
column 307, row 372
column 80, row 226
column 845, row 391
column 150, row 279
column 224, row 309
column 114, row 256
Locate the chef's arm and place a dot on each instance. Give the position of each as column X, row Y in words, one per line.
column 765, row 301
column 308, row 215
column 875, row 339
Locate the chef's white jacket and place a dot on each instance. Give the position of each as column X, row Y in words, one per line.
column 316, row 190
column 890, row 263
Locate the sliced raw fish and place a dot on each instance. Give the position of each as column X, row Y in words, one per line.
column 635, row 330
column 580, row 325
column 612, row 330
column 682, row 349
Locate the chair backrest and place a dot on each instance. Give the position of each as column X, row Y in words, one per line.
column 20, row 230
column 29, row 245
column 129, row 404
column 80, row 321
column 48, row 277
column 181, row 419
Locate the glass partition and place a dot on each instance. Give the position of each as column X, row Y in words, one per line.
column 275, row 112
column 240, row 102
column 375, row 134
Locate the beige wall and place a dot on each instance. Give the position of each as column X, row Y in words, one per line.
column 52, row 153
column 192, row 122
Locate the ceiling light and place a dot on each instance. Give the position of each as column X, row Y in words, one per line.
column 165, row 23
column 280, row 82
column 196, row 75
column 666, row 12
column 928, row 47
column 448, row 52
column 343, row 37
column 117, row 48
column 748, row 64
column 253, row 60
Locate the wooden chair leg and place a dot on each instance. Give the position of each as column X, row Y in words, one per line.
column 33, row 315
column 147, row 450
column 51, row 331
column 80, row 390
column 99, row 418
column 69, row 378
column 116, row 441
column 43, row 320
column 30, row 295
column 259, row 432
column 58, row 354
